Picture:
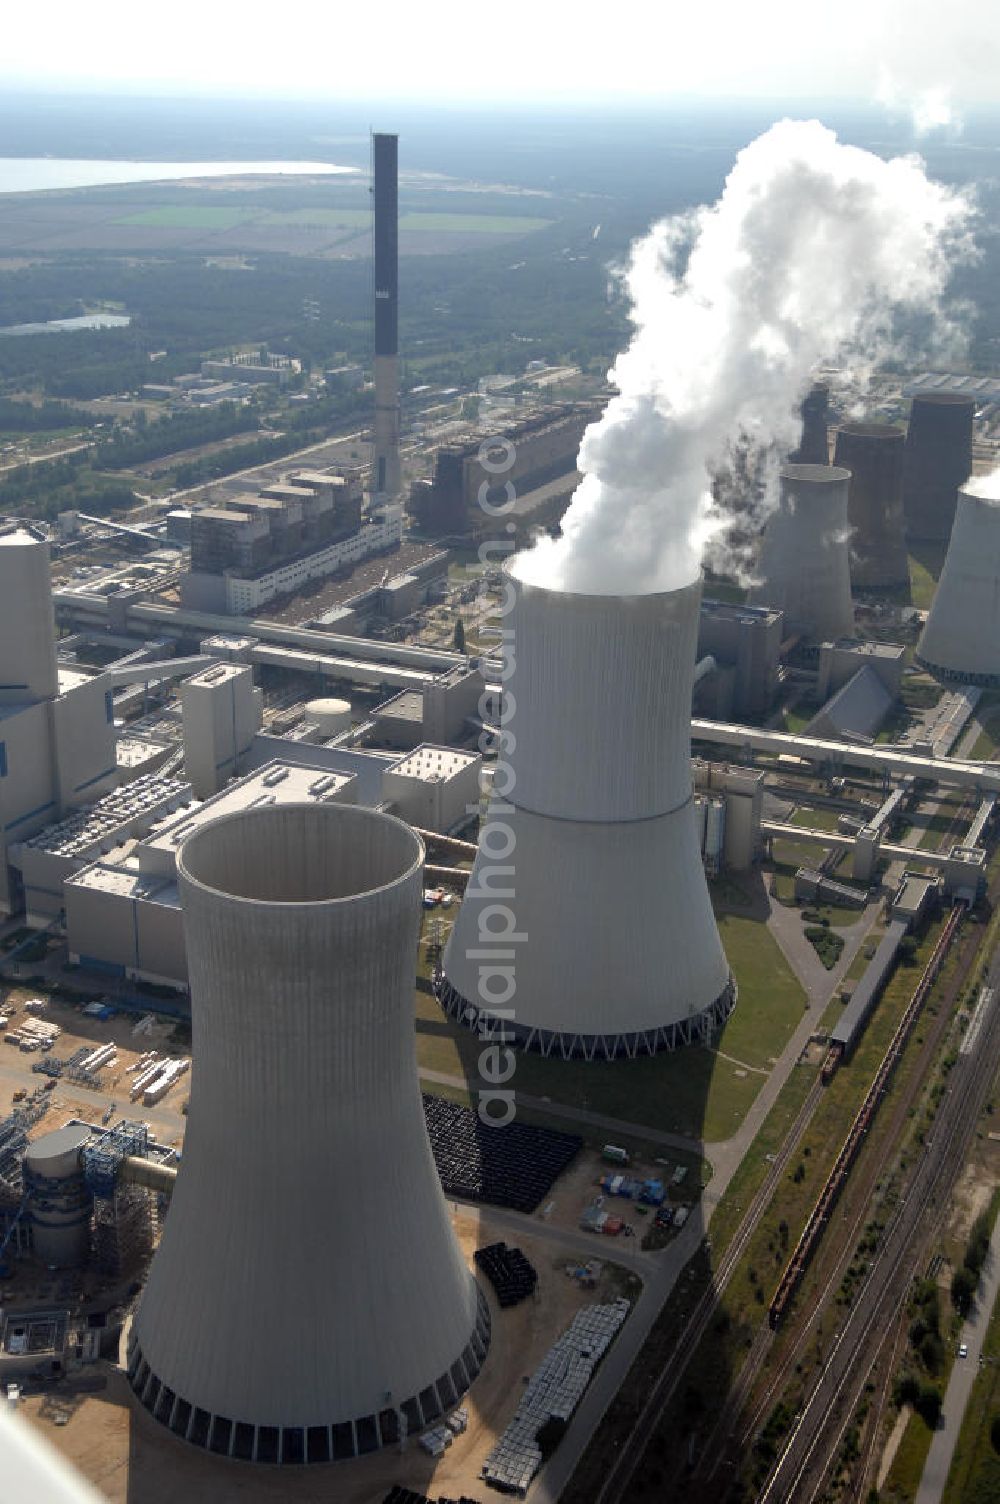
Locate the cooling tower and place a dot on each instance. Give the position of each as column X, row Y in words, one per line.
column 938, row 461
column 961, row 638
column 804, row 565
column 589, row 853
column 308, row 1297
column 873, row 453
column 814, row 445
column 27, row 625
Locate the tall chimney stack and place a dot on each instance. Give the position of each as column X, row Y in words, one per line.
column 386, row 480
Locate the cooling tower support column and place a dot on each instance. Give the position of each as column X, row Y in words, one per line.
column 589, row 854
column 804, row 564
column 961, row 637
column 308, row 1299
column 386, row 477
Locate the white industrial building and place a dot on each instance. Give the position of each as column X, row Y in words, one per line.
column 804, row 567
column 57, row 734
column 381, row 531
column 309, row 1300
column 590, row 840
column 222, row 713
column 434, row 788
column 961, row 638
column 123, row 911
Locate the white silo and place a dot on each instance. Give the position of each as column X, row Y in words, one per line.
column 59, row 1202
column 27, row 624
column 961, row 638
column 804, row 567
column 590, row 851
column 308, row 1299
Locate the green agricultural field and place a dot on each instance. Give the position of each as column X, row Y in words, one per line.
column 189, row 217
column 694, row 1091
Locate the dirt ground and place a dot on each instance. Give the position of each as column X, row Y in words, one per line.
column 71, row 1099
column 134, row 1460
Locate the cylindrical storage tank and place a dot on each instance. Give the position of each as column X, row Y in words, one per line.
column 938, row 461
column 590, row 857
column 961, row 637
column 873, row 453
column 814, row 445
column 308, row 1298
column 27, row 623
column 60, row 1203
column 700, row 819
column 715, row 834
column 332, row 716
column 804, row 566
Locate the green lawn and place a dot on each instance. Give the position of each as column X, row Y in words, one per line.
column 925, row 570
column 816, row 819
column 692, row 1091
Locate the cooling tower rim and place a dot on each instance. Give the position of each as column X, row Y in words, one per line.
column 869, row 429
column 511, row 570
column 973, row 497
column 343, row 814
column 943, row 399
column 816, row 475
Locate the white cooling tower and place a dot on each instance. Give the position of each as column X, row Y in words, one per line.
column 961, row 638
column 308, row 1297
column 591, row 843
column 804, row 567
column 27, row 625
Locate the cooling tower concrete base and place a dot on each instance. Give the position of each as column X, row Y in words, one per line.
column 308, row 1301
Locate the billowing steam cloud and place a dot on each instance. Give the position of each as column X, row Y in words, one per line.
column 986, row 487
column 802, row 260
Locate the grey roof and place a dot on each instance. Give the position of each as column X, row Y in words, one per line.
column 857, row 709
column 868, row 991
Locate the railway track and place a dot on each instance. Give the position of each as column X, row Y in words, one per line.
column 801, row 1469
column 619, row 1476
column 725, row 1439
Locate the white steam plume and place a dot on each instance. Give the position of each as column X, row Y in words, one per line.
column 800, row 262
column 986, row 487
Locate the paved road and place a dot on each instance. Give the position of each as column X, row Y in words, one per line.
column 963, row 1376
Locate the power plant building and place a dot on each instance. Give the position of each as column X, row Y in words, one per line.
column 938, row 462
column 308, row 1301
column 804, row 564
column 745, row 642
column 961, row 637
column 222, row 714
column 248, row 552
column 469, row 471
column 590, row 840
column 873, row 453
column 57, row 733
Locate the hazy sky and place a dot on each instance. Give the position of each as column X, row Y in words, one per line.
column 921, row 53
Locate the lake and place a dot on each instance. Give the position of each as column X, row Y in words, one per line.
column 67, row 326
column 33, row 174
